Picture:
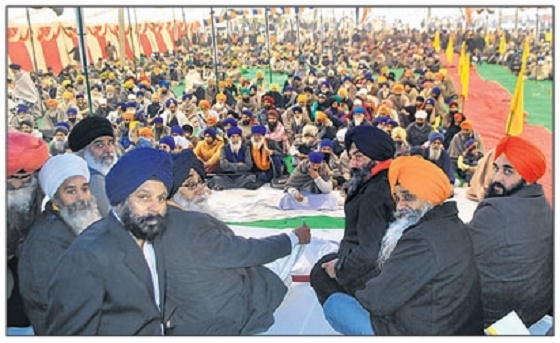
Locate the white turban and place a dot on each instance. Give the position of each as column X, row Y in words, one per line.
column 58, row 169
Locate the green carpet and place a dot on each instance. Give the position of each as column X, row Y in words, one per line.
column 322, row 222
column 537, row 95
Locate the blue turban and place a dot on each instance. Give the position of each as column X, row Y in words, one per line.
column 187, row 96
column 253, row 87
column 158, row 120
column 139, row 93
column 183, row 162
column 142, row 86
column 258, row 129
column 469, row 142
column 297, row 108
column 359, row 110
column 169, row 141
column 234, row 131
column 347, row 78
column 133, row 169
column 384, row 120
column 15, row 66
column 436, row 91
column 371, row 141
column 63, row 124
column 326, row 143
column 316, row 157
column 177, row 129
column 164, row 83
column 22, row 108
column 97, row 86
column 435, row 135
column 170, row 101
column 121, row 105
column 325, row 84
column 231, row 121
column 210, row 131
column 393, row 123
column 288, row 89
column 80, row 95
column 130, row 104
column 72, row 110
column 430, row 101
column 247, row 113
column 313, row 72
column 297, row 78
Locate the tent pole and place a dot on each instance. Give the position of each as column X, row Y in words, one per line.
column 83, row 54
column 121, row 35
column 137, row 31
column 268, row 43
column 214, row 45
column 186, row 33
column 132, row 42
column 36, row 78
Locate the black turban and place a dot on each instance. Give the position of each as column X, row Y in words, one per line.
column 183, row 162
column 371, row 141
column 136, row 167
column 87, row 130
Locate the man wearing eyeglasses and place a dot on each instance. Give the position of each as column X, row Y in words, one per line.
column 93, row 140
column 26, row 155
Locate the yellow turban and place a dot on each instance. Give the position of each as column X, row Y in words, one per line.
column 302, row 97
column 421, row 178
column 133, row 124
column 68, row 95
column 321, row 115
column 111, row 76
column 128, row 84
column 274, row 87
column 110, row 88
column 343, row 92
column 66, row 82
column 381, row 79
column 221, row 97
column 222, row 84
column 259, row 73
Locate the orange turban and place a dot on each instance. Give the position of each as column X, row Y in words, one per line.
column 408, row 73
column 146, row 132
column 321, row 115
column 467, row 124
column 421, row 178
column 204, row 104
column 384, row 109
column 221, row 84
column 398, row 88
column 524, row 156
column 52, row 103
column 26, row 152
column 211, row 120
column 128, row 116
column 221, row 97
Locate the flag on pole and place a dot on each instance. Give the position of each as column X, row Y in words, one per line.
column 465, row 76
column 514, row 125
column 502, row 47
column 461, row 61
column 437, row 46
column 365, row 12
column 449, row 50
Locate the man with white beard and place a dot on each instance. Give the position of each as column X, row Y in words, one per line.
column 59, row 144
column 93, row 140
column 189, row 190
column 26, row 154
column 235, row 158
column 425, row 281
column 71, row 209
column 437, row 154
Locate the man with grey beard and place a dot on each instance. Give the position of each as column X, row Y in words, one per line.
column 93, row 140
column 72, row 208
column 437, row 154
column 110, row 281
column 425, row 280
column 26, row 154
column 368, row 209
column 59, row 144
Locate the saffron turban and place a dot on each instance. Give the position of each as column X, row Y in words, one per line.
column 25, row 152
column 204, row 104
column 421, row 178
column 371, row 141
column 467, row 124
column 524, row 156
column 136, row 167
column 60, row 168
column 321, row 115
column 146, row 132
column 128, row 116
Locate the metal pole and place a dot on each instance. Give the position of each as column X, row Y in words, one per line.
column 131, row 42
column 186, row 32
column 137, row 30
column 83, row 54
column 228, row 33
column 174, row 30
column 214, row 45
column 121, row 34
column 40, row 100
column 268, row 43
column 536, row 42
column 297, row 30
column 322, row 31
column 516, row 17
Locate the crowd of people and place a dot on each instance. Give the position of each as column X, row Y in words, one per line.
column 132, row 154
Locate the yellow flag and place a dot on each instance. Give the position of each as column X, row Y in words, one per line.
column 487, row 39
column 502, row 47
column 449, row 51
column 465, row 76
column 437, row 46
column 461, row 60
column 514, row 125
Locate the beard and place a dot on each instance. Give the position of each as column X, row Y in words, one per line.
column 21, row 213
column 357, row 178
column 235, row 147
column 256, row 144
column 80, row 215
column 146, row 227
column 307, row 140
column 103, row 166
column 272, row 126
column 358, row 121
column 435, row 154
column 497, row 189
column 197, row 204
column 59, row 146
column 403, row 220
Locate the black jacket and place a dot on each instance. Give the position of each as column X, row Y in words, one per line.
column 429, row 285
column 368, row 213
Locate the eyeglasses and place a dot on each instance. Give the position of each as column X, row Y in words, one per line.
column 407, row 197
column 194, row 185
